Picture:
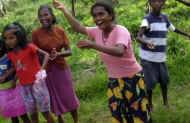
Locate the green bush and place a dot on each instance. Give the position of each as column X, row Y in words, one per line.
column 89, row 72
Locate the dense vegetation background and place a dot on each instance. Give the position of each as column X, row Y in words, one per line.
column 88, row 70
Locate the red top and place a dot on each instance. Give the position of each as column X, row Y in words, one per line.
column 26, row 63
column 49, row 39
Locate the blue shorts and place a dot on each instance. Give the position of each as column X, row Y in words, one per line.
column 155, row 72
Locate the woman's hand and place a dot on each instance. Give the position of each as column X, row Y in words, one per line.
column 58, row 5
column 85, row 44
column 54, row 54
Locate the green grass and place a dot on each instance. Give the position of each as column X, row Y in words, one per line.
column 94, row 110
column 89, row 73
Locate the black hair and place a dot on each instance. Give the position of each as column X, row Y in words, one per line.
column 19, row 32
column 50, row 11
column 148, row 6
column 109, row 8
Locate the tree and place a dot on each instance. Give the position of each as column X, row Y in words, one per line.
column 73, row 7
column 184, row 2
column 2, row 8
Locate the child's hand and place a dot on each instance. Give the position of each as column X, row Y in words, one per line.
column 151, row 45
column 41, row 75
column 58, row 5
column 85, row 44
column 2, row 78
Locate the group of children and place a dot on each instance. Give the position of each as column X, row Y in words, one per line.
column 127, row 98
column 44, row 78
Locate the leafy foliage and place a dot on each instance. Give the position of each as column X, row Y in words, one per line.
column 88, row 71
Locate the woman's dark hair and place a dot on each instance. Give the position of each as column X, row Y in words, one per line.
column 19, row 32
column 50, row 11
column 106, row 6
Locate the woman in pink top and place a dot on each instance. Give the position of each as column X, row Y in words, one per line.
column 126, row 90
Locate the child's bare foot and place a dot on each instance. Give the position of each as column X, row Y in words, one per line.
column 166, row 104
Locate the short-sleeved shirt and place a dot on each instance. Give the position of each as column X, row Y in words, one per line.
column 5, row 64
column 26, row 63
column 117, row 67
column 47, row 40
column 156, row 32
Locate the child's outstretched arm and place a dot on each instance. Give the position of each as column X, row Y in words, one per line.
column 141, row 40
column 140, row 35
column 76, row 25
column 182, row 33
column 45, row 59
column 6, row 74
column 66, row 51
